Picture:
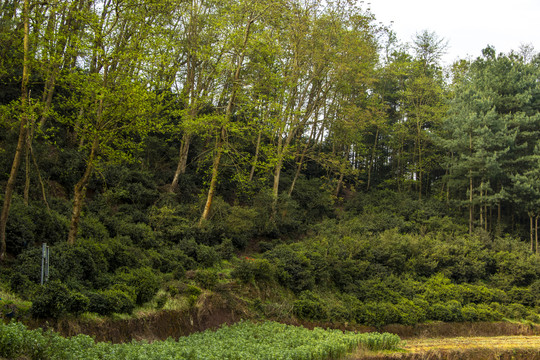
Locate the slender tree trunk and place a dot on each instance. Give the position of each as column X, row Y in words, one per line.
column 80, row 193
column 182, row 161
column 531, row 230
column 43, row 193
column 256, row 158
column 26, row 192
column 499, row 217
column 277, row 175
column 471, row 206
column 340, row 182
column 312, row 137
column 371, row 159
column 420, row 171
column 10, row 186
column 481, row 207
column 536, row 233
column 222, row 135
column 213, row 181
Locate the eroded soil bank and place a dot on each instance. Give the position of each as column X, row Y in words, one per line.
column 164, row 324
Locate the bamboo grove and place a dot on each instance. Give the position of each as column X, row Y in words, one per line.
column 251, row 96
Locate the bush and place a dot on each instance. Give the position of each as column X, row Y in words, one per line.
column 21, row 284
column 119, row 301
column 81, row 263
column 206, row 278
column 52, row 301
column 309, row 309
column 207, row 256
column 377, row 314
column 79, row 303
column 448, row 312
column 143, row 280
column 192, row 290
column 20, row 228
column 522, row 296
column 251, row 269
column 293, row 269
column 411, row 312
column 110, row 301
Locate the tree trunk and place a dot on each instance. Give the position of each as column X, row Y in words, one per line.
column 10, row 186
column 222, row 135
column 471, row 206
column 481, row 207
column 340, row 182
column 372, row 156
column 80, row 193
column 182, row 161
column 256, row 158
column 213, row 181
column 536, row 233
column 531, row 230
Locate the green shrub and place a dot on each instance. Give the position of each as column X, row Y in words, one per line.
column 448, row 312
column 293, row 269
column 309, row 307
column 20, row 227
column 206, row 278
column 522, row 295
column 480, row 294
column 141, row 234
column 119, row 301
column 377, row 314
column 99, row 303
column 192, row 290
column 226, row 249
column 515, row 311
column 250, row 269
column 52, row 300
column 79, row 303
column 21, row 284
column 92, row 229
column 207, row 256
column 161, row 301
column 440, row 289
column 411, row 312
column 79, row 265
column 110, row 301
column 143, row 280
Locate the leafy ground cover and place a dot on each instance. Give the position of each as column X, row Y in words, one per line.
column 245, row 340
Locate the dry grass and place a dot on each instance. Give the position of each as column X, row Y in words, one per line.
column 484, row 348
column 464, row 343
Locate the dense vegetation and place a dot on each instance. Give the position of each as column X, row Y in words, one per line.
column 241, row 341
column 291, row 155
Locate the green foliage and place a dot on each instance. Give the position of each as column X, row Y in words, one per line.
column 294, row 269
column 143, row 280
column 52, row 301
column 309, row 306
column 21, row 284
column 260, row 341
column 253, row 269
column 207, row 278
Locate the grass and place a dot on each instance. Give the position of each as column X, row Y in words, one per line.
column 485, row 348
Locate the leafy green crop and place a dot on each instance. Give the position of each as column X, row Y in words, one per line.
column 245, row 340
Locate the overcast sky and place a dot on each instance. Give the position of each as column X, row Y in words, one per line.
column 468, row 25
